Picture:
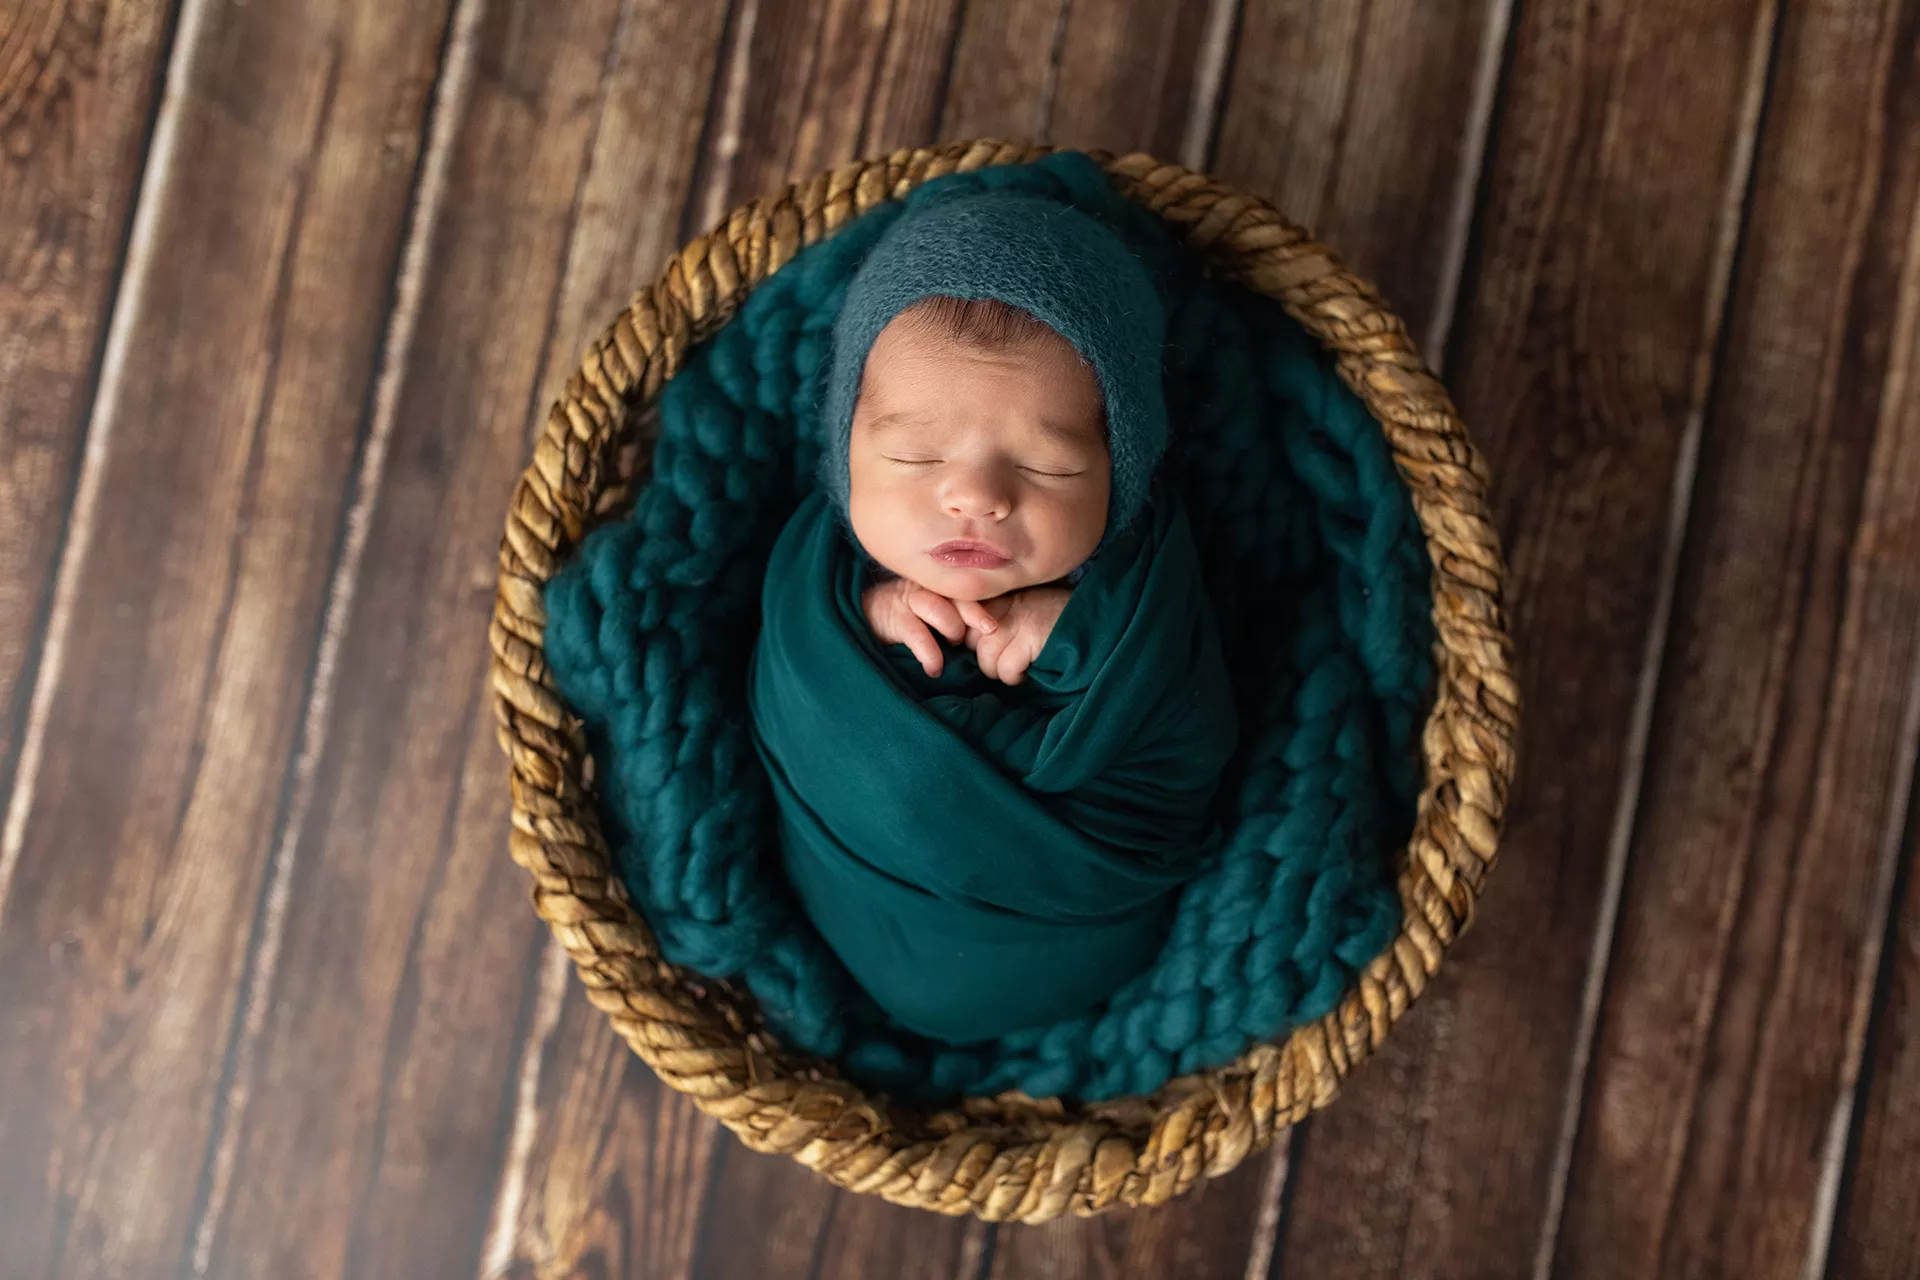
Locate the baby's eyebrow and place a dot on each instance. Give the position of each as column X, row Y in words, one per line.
column 1065, row 434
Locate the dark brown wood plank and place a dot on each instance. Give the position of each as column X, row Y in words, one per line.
column 1120, row 75
column 375, row 1092
column 1878, row 1219
column 1132, row 76
column 816, row 83
column 860, row 1236
column 1368, row 123
column 77, row 100
column 1214, row 1232
column 1759, row 873
column 631, row 208
column 1593, row 308
column 220, row 458
column 866, row 1236
column 609, row 1167
column 1877, row 1231
column 1001, row 82
column 771, row 1217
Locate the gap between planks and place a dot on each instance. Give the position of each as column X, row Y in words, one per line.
column 1209, row 85
column 711, row 204
column 497, row 1257
column 1266, row 1227
column 1467, row 184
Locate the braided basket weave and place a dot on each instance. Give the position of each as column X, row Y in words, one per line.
column 1008, row 1157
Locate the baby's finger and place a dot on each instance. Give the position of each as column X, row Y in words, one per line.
column 986, row 654
column 874, row 604
column 924, row 646
column 978, row 616
column 938, row 612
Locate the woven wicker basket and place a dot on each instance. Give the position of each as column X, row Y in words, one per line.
column 1009, row 1157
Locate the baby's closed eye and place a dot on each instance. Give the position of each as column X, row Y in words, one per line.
column 1052, row 471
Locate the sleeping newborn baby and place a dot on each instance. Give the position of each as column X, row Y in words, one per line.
column 979, row 480
column 988, row 688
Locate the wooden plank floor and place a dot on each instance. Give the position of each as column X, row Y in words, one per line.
column 284, row 291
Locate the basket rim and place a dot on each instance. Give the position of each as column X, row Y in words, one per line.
column 1008, row 1157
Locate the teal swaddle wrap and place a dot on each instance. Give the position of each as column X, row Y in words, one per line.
column 985, row 857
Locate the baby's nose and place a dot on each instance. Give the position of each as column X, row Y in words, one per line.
column 979, row 497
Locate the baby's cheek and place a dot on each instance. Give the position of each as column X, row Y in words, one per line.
column 1072, row 530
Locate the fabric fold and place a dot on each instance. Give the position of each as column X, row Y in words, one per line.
column 984, row 857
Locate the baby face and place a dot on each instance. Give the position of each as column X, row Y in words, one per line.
column 975, row 471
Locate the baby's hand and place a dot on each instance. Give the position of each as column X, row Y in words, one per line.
column 901, row 611
column 1026, row 619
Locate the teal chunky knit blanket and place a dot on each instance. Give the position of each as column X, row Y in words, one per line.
column 1319, row 578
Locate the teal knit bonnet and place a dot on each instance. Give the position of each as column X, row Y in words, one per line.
column 1068, row 268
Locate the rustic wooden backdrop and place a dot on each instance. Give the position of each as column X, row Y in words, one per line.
column 285, row 286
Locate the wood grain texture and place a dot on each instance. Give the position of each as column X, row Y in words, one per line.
column 631, row 207
column 1208, row 1234
column 1593, row 309
column 380, row 1082
column 815, row 83
column 865, row 1236
column 791, row 1211
column 1130, row 76
column 613, row 1180
column 1877, row 1223
column 271, row 998
column 1877, row 1232
column 1119, row 75
column 77, row 99
column 181, row 644
column 1368, row 123
column 782, row 1222
column 1776, row 782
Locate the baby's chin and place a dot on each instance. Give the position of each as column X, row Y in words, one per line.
column 958, row 582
